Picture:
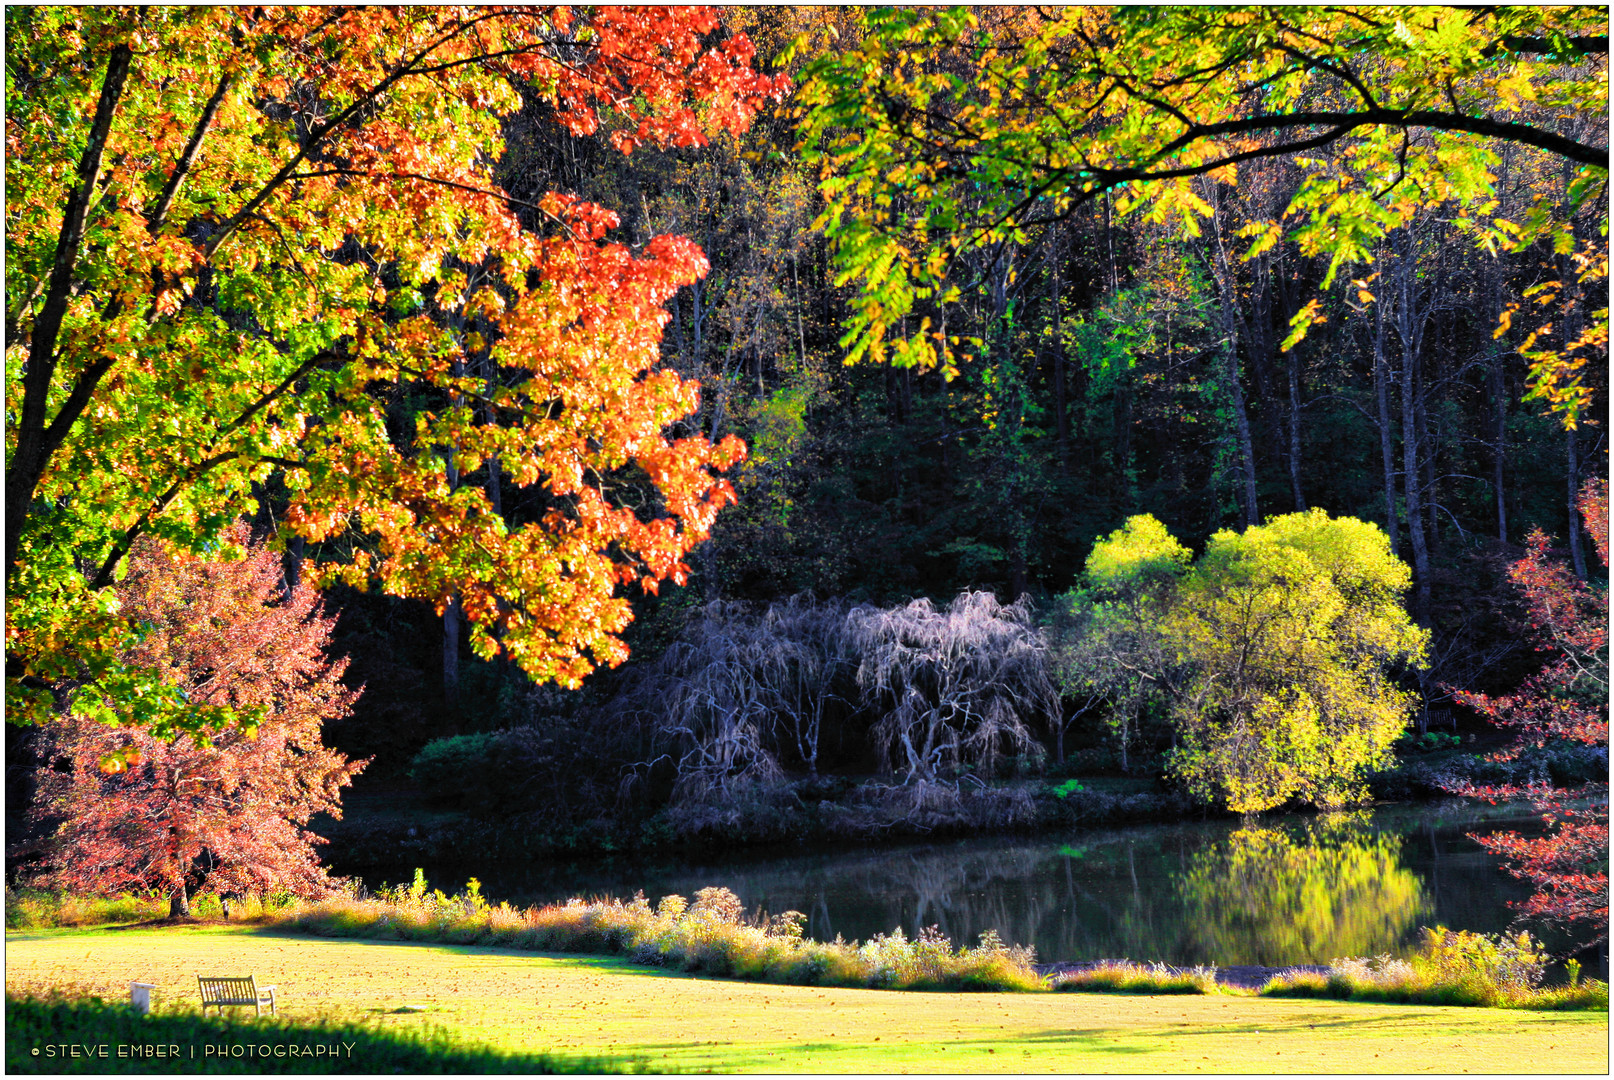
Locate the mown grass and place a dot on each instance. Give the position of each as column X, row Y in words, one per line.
column 573, row 1008
column 63, row 1033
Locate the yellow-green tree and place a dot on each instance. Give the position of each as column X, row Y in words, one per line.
column 1276, row 651
column 1109, row 649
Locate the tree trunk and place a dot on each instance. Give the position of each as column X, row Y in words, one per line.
column 36, row 442
column 1412, row 475
column 451, row 610
column 678, row 333
column 179, row 903
column 697, row 327
column 1061, row 411
column 293, row 566
column 1241, row 422
column 1227, row 301
column 451, row 652
column 1577, row 550
column 1410, row 323
column 1499, row 444
column 1294, row 430
column 1381, row 387
column 1573, row 320
column 491, row 485
column 801, row 303
column 1497, row 373
column 1426, row 489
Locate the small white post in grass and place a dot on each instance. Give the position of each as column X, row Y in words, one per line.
column 140, row 996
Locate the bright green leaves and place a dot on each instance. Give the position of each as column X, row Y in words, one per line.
column 1274, row 653
column 948, row 135
column 1140, row 557
column 1294, row 629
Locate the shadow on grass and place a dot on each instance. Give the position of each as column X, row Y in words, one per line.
column 46, row 1035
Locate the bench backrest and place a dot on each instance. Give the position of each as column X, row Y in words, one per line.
column 228, row 988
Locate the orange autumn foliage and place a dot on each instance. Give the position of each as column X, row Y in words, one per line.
column 237, row 238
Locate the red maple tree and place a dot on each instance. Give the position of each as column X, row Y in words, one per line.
column 1566, row 699
column 227, row 809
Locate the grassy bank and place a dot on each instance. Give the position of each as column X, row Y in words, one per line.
column 714, row 936
column 1451, row 968
column 572, row 1007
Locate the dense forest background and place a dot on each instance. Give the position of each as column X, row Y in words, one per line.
column 1121, row 365
column 1109, row 390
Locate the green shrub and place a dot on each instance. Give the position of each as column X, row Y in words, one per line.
column 38, row 909
column 1497, row 967
column 462, row 771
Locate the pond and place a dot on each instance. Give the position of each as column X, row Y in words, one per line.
column 1283, row 889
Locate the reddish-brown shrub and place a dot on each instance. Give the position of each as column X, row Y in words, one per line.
column 227, row 810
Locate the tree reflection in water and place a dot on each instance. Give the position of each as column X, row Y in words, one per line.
column 1298, row 892
column 1331, row 887
column 1284, row 890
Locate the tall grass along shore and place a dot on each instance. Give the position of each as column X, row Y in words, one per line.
column 714, row 936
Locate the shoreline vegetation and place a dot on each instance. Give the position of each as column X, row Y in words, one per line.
column 713, row 936
column 837, row 809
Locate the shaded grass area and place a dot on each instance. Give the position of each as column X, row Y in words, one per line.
column 574, row 1007
column 62, row 1034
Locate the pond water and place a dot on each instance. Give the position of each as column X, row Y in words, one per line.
column 1277, row 890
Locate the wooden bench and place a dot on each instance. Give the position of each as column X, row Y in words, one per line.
column 220, row 991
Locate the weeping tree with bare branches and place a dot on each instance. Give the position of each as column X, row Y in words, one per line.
column 817, row 678
column 741, row 697
column 956, row 689
column 739, row 692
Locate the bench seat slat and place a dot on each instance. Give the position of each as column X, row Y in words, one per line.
column 235, row 990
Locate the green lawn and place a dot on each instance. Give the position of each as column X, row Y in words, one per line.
column 611, row 1010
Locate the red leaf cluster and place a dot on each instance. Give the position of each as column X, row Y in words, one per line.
column 1566, row 699
column 227, row 810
